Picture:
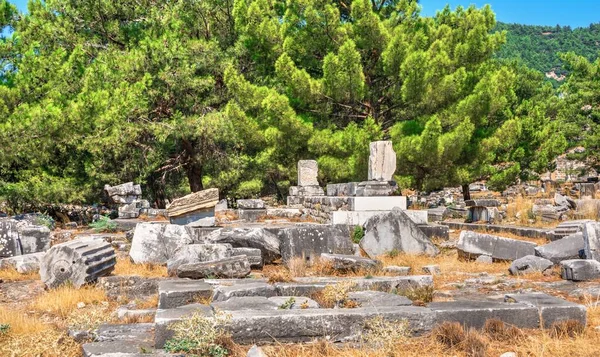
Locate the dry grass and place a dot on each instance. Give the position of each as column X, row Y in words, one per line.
column 11, row 274
column 126, row 267
column 336, row 295
column 297, row 267
column 279, row 276
column 29, row 336
column 62, row 301
column 150, row 303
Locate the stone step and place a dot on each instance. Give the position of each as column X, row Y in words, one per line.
column 175, row 293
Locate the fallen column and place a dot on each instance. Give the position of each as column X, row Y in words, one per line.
column 77, row 262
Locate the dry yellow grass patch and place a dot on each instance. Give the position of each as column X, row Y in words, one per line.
column 150, row 303
column 125, row 266
column 11, row 274
column 62, row 301
column 29, row 336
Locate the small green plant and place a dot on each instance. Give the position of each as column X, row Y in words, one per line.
column 197, row 335
column 358, row 234
column 287, row 305
column 104, row 224
column 393, row 253
column 4, row 329
column 368, row 276
column 44, row 220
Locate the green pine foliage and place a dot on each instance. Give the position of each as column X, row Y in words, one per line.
column 185, row 95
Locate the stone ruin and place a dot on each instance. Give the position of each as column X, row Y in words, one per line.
column 128, row 199
column 214, row 255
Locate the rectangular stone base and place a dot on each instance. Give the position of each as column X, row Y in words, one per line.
column 359, row 218
column 376, row 188
column 377, row 203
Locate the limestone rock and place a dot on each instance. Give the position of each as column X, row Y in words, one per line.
column 294, row 302
column 309, row 241
column 529, row 264
column 255, row 351
column 580, row 269
column 562, row 249
column 254, row 256
column 308, row 170
column 258, row 238
column 591, row 240
column 157, row 243
column 396, row 270
column 202, row 222
column 197, row 253
column 382, row 161
column 232, row 267
column 251, row 204
column 353, row 263
column 395, row 230
column 245, row 303
column 77, row 262
column 193, row 202
column 23, row 264
column 377, row 298
column 473, row 244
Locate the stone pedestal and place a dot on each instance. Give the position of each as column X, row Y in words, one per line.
column 307, row 173
column 376, row 188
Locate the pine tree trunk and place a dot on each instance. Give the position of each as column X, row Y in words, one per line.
column 466, row 192
column 194, row 174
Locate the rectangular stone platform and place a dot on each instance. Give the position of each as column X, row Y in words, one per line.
column 359, row 218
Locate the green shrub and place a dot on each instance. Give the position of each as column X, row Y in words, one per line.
column 393, row 253
column 104, row 224
column 197, row 335
column 358, row 234
column 4, row 329
column 287, row 305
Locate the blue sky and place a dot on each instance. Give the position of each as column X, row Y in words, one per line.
column 575, row 13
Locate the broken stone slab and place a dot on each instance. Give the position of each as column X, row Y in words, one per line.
column 126, row 288
column 305, row 325
column 166, row 317
column 193, row 206
column 258, row 238
column 350, row 263
column 472, row 244
column 157, row 243
column 396, row 270
column 231, row 267
column 561, row 200
column 125, row 189
column 568, row 228
column 378, row 298
column 395, row 230
column 251, row 204
column 223, row 293
column 580, row 269
column 251, row 215
column 474, row 314
column 294, row 302
column 529, row 264
column 124, row 313
column 342, row 189
column 591, row 240
column 431, row 269
column 308, row 170
column 197, row 253
column 121, row 339
column 309, row 241
column 382, row 161
column 284, row 212
column 203, row 222
column 175, row 293
column 245, row 303
column 254, row 256
column 309, row 286
column 433, row 231
column 306, row 191
column 485, row 259
column 551, row 309
column 483, row 214
column 77, row 262
column 133, row 209
column 9, row 238
column 562, row 249
column 23, row 264
column 359, row 218
column 376, row 188
column 21, row 238
column 484, row 202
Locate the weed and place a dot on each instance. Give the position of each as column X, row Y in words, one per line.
column 104, row 224
column 384, row 334
column 358, row 234
column 420, row 295
column 198, row 335
column 336, row 295
column 474, row 345
column 393, row 253
column 4, row 328
column 368, row 276
column 280, row 276
column 287, row 305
